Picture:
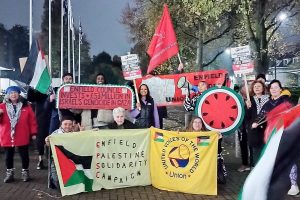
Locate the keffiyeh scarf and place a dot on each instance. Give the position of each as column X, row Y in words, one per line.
column 14, row 115
column 260, row 101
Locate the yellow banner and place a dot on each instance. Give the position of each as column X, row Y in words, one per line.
column 184, row 161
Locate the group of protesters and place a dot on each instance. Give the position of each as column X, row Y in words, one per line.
column 251, row 134
column 37, row 117
column 19, row 123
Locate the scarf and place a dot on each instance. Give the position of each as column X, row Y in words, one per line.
column 14, row 115
column 260, row 101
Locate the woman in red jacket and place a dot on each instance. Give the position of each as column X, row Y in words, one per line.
column 17, row 125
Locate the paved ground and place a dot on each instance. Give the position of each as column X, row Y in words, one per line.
column 37, row 187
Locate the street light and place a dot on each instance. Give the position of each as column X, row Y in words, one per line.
column 282, row 16
column 227, row 50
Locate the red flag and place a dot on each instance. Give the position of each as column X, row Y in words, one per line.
column 163, row 44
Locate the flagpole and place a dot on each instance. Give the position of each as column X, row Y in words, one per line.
column 69, row 64
column 179, row 58
column 30, row 23
column 49, row 32
column 73, row 52
column 79, row 44
column 61, row 40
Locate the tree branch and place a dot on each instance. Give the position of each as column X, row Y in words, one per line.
column 217, row 55
column 189, row 34
column 276, row 28
column 218, row 36
column 213, row 59
column 248, row 22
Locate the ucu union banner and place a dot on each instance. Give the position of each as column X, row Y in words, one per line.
column 107, row 159
column 184, row 161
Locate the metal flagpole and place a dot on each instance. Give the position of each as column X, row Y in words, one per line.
column 62, row 40
column 79, row 44
column 30, row 23
column 73, row 50
column 49, row 32
column 69, row 64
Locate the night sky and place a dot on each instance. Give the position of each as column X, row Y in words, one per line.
column 99, row 19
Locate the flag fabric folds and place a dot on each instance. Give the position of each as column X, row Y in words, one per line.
column 270, row 178
column 257, row 183
column 75, row 169
column 184, row 161
column 163, row 44
column 35, row 72
column 89, row 161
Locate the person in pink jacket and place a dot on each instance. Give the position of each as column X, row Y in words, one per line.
column 17, row 126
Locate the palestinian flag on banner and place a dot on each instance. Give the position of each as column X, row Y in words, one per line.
column 74, row 169
column 159, row 137
column 35, row 72
column 270, row 178
column 203, row 141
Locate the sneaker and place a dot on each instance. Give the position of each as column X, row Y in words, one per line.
column 294, row 190
column 244, row 168
column 9, row 176
column 25, row 175
column 40, row 165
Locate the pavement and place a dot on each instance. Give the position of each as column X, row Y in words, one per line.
column 37, row 187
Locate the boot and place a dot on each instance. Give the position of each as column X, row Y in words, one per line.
column 294, row 190
column 9, row 176
column 40, row 165
column 25, row 175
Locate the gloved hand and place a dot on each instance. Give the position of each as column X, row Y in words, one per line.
column 195, row 88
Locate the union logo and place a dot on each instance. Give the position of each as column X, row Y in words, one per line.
column 179, row 156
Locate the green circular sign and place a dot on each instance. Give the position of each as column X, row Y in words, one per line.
column 221, row 109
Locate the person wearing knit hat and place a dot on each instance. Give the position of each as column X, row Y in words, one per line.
column 13, row 89
column 261, row 77
column 17, row 126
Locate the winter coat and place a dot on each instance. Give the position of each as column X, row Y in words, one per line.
column 146, row 118
column 126, row 125
column 25, row 127
column 256, row 135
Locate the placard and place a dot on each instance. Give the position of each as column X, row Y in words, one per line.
column 75, row 96
column 242, row 61
column 130, row 67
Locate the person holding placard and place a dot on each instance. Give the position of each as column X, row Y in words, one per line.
column 97, row 118
column 145, row 113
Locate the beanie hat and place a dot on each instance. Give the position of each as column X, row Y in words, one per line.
column 13, row 89
column 263, row 76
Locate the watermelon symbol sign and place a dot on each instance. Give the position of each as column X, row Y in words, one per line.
column 221, row 109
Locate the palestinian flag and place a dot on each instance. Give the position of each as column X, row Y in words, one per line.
column 74, row 169
column 203, row 141
column 270, row 178
column 35, row 72
column 159, row 137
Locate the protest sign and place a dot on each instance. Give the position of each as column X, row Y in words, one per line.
column 221, row 109
column 184, row 162
column 242, row 61
column 75, row 96
column 89, row 161
column 130, row 67
column 172, row 89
